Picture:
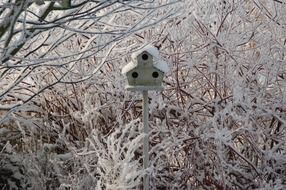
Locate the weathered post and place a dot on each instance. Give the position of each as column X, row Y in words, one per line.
column 146, row 138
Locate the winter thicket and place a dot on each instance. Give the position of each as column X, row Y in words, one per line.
column 66, row 121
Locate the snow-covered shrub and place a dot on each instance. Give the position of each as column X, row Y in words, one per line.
column 110, row 161
column 13, row 174
column 219, row 123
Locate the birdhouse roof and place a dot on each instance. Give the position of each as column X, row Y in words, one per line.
column 131, row 65
column 158, row 62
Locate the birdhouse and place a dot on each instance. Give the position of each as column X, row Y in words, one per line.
column 146, row 70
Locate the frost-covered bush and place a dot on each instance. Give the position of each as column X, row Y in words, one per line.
column 118, row 164
column 219, row 123
column 227, row 94
column 13, row 174
column 108, row 162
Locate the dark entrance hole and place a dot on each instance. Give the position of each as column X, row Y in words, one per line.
column 135, row 75
column 144, row 57
column 155, row 74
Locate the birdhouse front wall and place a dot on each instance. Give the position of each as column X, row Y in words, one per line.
column 145, row 76
column 145, row 59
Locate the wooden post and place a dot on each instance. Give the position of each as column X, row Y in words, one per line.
column 146, row 138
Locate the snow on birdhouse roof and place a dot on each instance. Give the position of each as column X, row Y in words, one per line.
column 161, row 65
column 128, row 67
column 148, row 48
column 158, row 62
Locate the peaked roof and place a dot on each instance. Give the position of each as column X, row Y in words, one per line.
column 158, row 62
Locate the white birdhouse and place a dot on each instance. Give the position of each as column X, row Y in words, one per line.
column 146, row 70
